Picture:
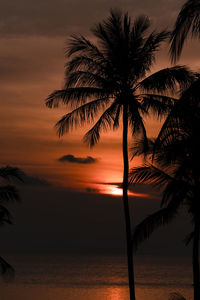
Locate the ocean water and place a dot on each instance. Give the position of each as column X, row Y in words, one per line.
column 75, row 277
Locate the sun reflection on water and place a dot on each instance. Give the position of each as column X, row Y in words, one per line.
column 116, row 293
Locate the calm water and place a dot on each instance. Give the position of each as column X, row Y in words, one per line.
column 95, row 278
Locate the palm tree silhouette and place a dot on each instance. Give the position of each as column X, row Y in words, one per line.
column 175, row 165
column 8, row 193
column 110, row 77
column 187, row 21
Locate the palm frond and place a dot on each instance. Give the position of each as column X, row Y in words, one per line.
column 191, row 94
column 167, row 139
column 73, row 96
column 139, row 27
column 117, row 116
column 9, row 193
column 126, row 27
column 176, row 189
column 158, row 104
column 177, row 124
column 83, row 62
column 187, row 20
column 81, row 45
column 114, row 36
column 85, row 78
column 137, row 40
column 5, row 216
column 144, row 49
column 135, row 117
column 188, row 238
column 138, row 128
column 160, row 218
column 10, row 173
column 56, row 97
column 6, row 269
column 109, row 31
column 171, row 150
column 142, row 146
column 149, row 174
column 106, row 120
column 80, row 115
column 151, row 45
column 168, row 79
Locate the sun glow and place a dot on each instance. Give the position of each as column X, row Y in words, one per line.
column 115, row 190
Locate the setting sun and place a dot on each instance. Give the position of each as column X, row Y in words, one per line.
column 115, row 190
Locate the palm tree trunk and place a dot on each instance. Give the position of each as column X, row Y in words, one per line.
column 195, row 258
column 126, row 206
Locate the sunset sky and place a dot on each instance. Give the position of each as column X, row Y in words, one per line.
column 33, row 37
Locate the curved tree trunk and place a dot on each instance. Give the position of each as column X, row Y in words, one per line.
column 195, row 259
column 126, row 205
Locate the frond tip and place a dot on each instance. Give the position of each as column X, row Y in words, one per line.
column 9, row 193
column 176, row 296
column 81, row 115
column 187, row 21
column 149, row 174
column 105, row 121
column 143, row 230
column 168, row 79
column 9, row 173
column 7, row 271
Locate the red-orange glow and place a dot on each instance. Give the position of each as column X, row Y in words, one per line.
column 116, row 293
column 114, row 190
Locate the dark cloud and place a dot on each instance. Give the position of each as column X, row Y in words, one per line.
column 79, row 160
column 25, row 17
column 37, row 35
column 92, row 190
column 46, row 18
column 47, row 59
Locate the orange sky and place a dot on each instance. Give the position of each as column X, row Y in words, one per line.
column 76, row 209
column 31, row 67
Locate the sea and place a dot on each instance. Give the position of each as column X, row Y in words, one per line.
column 96, row 277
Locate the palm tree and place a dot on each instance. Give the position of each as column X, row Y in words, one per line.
column 8, row 193
column 110, row 77
column 175, row 165
column 187, row 21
